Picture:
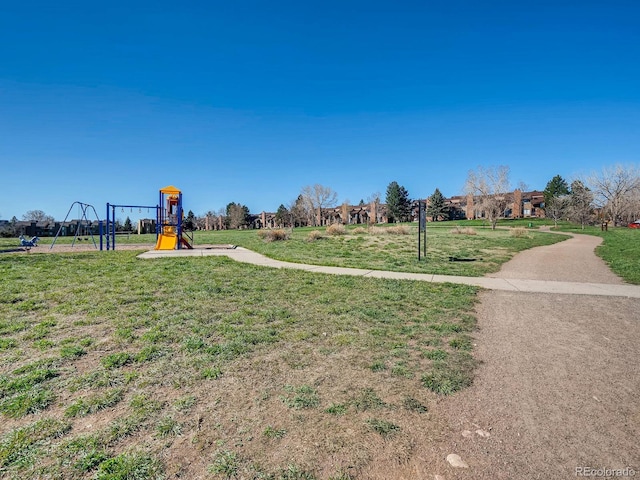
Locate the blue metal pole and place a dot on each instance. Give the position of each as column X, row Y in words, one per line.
column 108, row 246
column 113, row 227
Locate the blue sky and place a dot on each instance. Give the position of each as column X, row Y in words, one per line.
column 249, row 101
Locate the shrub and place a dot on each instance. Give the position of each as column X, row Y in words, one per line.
column 519, row 232
column 359, row 230
column 273, row 235
column 463, row 231
column 314, row 235
column 398, row 230
column 377, row 230
column 336, row 229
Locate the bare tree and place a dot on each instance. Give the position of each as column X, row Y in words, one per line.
column 37, row 216
column 490, row 186
column 213, row 220
column 615, row 190
column 634, row 209
column 581, row 203
column 299, row 216
column 317, row 197
column 558, row 208
column 374, row 198
column 237, row 215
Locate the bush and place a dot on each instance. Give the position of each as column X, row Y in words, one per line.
column 398, row 230
column 359, row 231
column 336, row 229
column 394, row 230
column 519, row 232
column 273, row 235
column 463, row 231
column 314, row 235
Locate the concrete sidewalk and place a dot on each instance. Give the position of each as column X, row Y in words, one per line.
column 243, row 255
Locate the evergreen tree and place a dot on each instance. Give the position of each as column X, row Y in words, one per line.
column 437, row 207
column 237, row 215
column 282, row 215
column 398, row 203
column 127, row 225
column 189, row 222
column 556, row 187
column 300, row 216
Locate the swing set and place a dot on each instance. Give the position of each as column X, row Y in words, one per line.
column 84, row 227
column 111, row 223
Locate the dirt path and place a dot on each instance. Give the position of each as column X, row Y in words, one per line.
column 559, row 384
column 570, row 261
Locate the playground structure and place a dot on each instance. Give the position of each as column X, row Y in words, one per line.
column 169, row 216
column 83, row 228
column 171, row 235
column 27, row 243
column 169, row 226
column 111, row 224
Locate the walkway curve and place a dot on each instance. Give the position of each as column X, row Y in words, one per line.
column 499, row 282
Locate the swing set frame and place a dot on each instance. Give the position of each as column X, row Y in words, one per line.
column 110, row 223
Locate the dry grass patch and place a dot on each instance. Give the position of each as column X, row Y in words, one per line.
column 273, row 235
column 359, row 231
column 519, row 232
column 336, row 229
column 374, row 230
column 398, row 230
column 394, row 230
column 314, row 235
column 463, row 231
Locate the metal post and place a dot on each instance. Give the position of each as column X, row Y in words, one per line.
column 424, row 231
column 422, row 227
column 107, row 232
column 113, row 227
column 419, row 226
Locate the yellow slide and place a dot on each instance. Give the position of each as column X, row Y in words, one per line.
column 167, row 241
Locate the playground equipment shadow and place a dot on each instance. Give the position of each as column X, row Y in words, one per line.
column 244, row 255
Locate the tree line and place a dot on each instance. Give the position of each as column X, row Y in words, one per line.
column 611, row 195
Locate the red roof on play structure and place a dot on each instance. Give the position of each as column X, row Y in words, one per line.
column 170, row 189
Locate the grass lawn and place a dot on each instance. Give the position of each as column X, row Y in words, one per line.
column 374, row 248
column 113, row 367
